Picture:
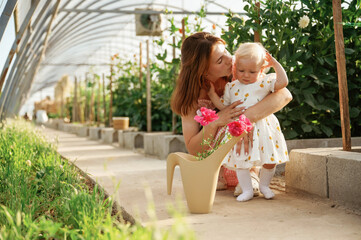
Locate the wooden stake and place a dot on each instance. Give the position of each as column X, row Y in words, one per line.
column 149, row 114
column 86, row 114
column 111, row 97
column 98, row 103
column 104, row 102
column 174, row 116
column 62, row 102
column 75, row 101
column 257, row 36
column 341, row 73
column 183, row 31
column 80, row 104
column 140, row 64
column 91, row 112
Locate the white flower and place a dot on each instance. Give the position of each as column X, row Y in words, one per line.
column 304, row 21
column 28, row 162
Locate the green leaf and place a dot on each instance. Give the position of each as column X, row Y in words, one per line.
column 313, row 76
column 306, row 70
column 320, row 60
column 354, row 112
column 286, row 123
column 305, row 84
column 330, row 61
column 289, row 133
column 306, row 128
column 349, row 51
column 326, row 130
column 310, row 100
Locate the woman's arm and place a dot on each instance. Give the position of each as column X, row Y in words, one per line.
column 272, row 103
column 193, row 137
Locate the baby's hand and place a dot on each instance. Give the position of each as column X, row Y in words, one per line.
column 270, row 60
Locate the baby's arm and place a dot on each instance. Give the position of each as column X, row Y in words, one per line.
column 216, row 100
column 281, row 79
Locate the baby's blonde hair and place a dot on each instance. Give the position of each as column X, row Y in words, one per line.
column 253, row 51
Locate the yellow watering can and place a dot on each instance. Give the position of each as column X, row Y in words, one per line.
column 199, row 177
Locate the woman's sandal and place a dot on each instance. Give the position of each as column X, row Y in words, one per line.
column 255, row 185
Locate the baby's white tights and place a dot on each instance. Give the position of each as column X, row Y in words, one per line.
column 265, row 178
column 244, row 179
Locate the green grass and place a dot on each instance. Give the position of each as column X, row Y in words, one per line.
column 42, row 196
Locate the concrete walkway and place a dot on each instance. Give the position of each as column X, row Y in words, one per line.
column 131, row 177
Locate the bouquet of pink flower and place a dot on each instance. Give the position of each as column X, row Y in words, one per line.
column 236, row 128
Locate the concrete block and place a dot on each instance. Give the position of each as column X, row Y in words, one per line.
column 94, row 133
column 172, row 143
column 65, row 127
column 319, row 143
column 153, row 142
column 327, row 172
column 74, row 128
column 314, row 143
column 344, row 178
column 60, row 126
column 133, row 140
column 109, row 135
column 83, row 131
column 121, row 138
column 54, row 123
column 306, row 172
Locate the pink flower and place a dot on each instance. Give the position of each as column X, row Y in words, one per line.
column 246, row 121
column 236, row 128
column 205, row 116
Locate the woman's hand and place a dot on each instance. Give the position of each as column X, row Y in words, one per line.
column 229, row 114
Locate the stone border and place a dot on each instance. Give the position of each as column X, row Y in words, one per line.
column 326, row 172
column 153, row 142
column 109, row 135
column 95, row 133
column 133, row 140
column 116, row 206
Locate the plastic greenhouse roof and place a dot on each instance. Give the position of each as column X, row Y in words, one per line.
column 83, row 34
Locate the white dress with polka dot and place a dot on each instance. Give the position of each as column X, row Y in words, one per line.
column 269, row 145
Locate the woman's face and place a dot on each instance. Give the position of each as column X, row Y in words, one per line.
column 220, row 63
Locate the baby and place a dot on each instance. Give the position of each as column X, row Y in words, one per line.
column 250, row 86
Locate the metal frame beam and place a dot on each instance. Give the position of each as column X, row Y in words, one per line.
column 139, row 11
column 6, row 15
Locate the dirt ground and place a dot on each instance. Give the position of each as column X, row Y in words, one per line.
column 138, row 182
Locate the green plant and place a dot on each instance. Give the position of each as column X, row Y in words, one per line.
column 44, row 197
column 308, row 56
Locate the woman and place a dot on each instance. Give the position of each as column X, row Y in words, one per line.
column 206, row 61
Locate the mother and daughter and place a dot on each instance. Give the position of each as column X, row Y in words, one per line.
column 205, row 81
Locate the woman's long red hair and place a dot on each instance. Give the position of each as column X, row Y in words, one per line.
column 195, row 60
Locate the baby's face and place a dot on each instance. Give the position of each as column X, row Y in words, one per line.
column 247, row 71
